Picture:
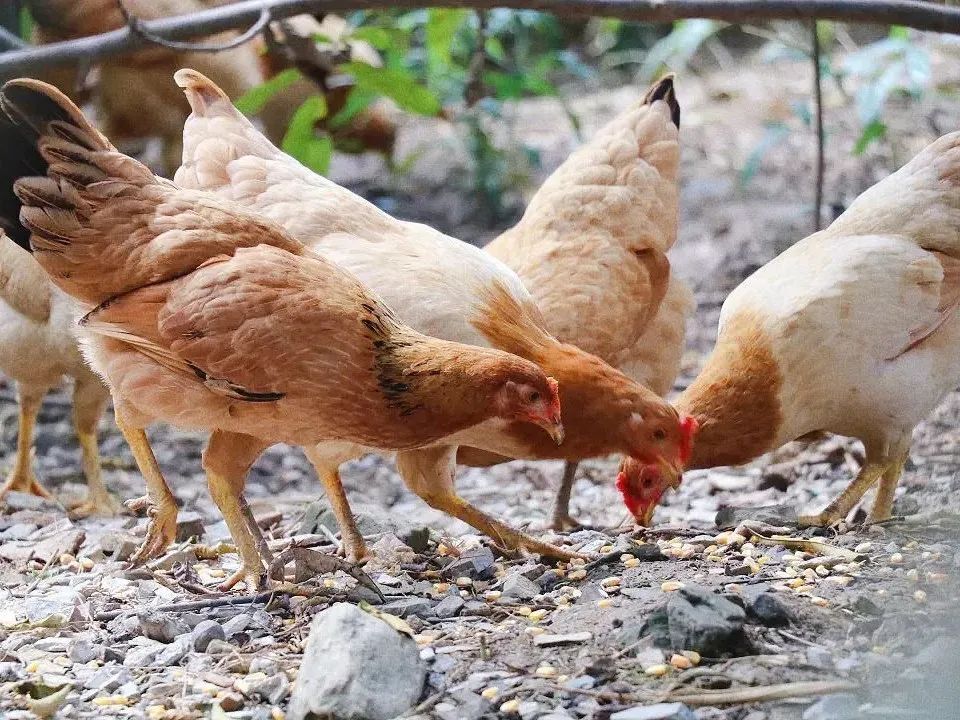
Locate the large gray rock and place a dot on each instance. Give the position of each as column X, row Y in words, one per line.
column 356, row 667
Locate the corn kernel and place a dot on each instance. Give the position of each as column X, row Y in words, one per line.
column 546, row 671
column 680, row 662
column 657, row 670
column 671, row 585
column 489, row 693
column 510, row 707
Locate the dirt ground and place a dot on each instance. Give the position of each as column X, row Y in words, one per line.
column 871, row 611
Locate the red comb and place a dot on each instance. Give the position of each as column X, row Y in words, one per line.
column 688, row 428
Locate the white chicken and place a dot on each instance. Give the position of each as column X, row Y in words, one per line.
column 37, row 350
column 854, row 330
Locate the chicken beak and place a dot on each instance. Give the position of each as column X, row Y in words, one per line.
column 553, row 428
column 644, row 518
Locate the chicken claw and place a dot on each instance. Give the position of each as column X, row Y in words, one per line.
column 24, row 482
column 96, row 505
column 161, row 531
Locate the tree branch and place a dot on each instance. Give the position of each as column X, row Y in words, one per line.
column 911, row 13
column 818, row 116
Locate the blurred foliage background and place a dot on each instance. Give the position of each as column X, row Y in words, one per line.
column 466, row 66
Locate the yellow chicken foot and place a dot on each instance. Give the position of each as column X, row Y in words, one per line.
column 253, row 566
column 21, row 478
column 160, row 504
column 429, row 472
column 226, row 460
column 883, row 503
column 354, row 547
column 843, row 504
column 560, row 519
column 99, row 501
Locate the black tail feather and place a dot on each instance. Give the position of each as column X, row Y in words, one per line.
column 664, row 90
column 19, row 159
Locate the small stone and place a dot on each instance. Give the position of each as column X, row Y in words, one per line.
column 920, row 596
column 409, row 607
column 189, row 525
column 449, row 607
column 550, row 640
column 578, row 574
column 161, row 627
column 660, row 711
column 119, row 545
column 142, row 656
column 230, row 701
column 768, row 610
column 464, row 582
column 205, row 632
column 863, row 548
column 173, row 653
column 475, row 564
column 237, row 624
column 520, row 587
column 83, row 651
column 896, row 559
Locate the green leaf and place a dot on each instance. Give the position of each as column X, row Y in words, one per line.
column 899, row 32
column 442, row 26
column 380, row 38
column 252, row 101
column 876, row 130
column 26, row 23
column 357, row 101
column 396, row 84
column 301, row 139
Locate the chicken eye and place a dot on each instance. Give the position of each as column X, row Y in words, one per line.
column 534, row 396
column 660, row 434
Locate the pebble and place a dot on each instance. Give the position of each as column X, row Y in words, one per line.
column 659, row 711
column 449, row 607
column 160, row 626
column 520, row 587
column 205, row 632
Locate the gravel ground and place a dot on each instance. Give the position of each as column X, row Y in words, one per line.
column 690, row 612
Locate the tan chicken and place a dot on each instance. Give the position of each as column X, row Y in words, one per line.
column 591, row 248
column 853, row 330
column 38, row 349
column 211, row 318
column 440, row 286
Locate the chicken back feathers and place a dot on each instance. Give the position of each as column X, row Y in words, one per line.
column 591, row 246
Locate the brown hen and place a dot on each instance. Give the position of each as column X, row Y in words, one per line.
column 207, row 317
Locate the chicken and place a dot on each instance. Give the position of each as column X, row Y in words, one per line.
column 200, row 314
column 440, row 286
column 853, row 330
column 37, row 349
column 591, row 248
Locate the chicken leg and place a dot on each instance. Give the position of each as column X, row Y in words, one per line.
column 89, row 401
column 883, row 503
column 560, row 519
column 21, row 478
column 160, row 503
column 430, row 472
column 883, row 463
column 354, row 547
column 226, row 460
